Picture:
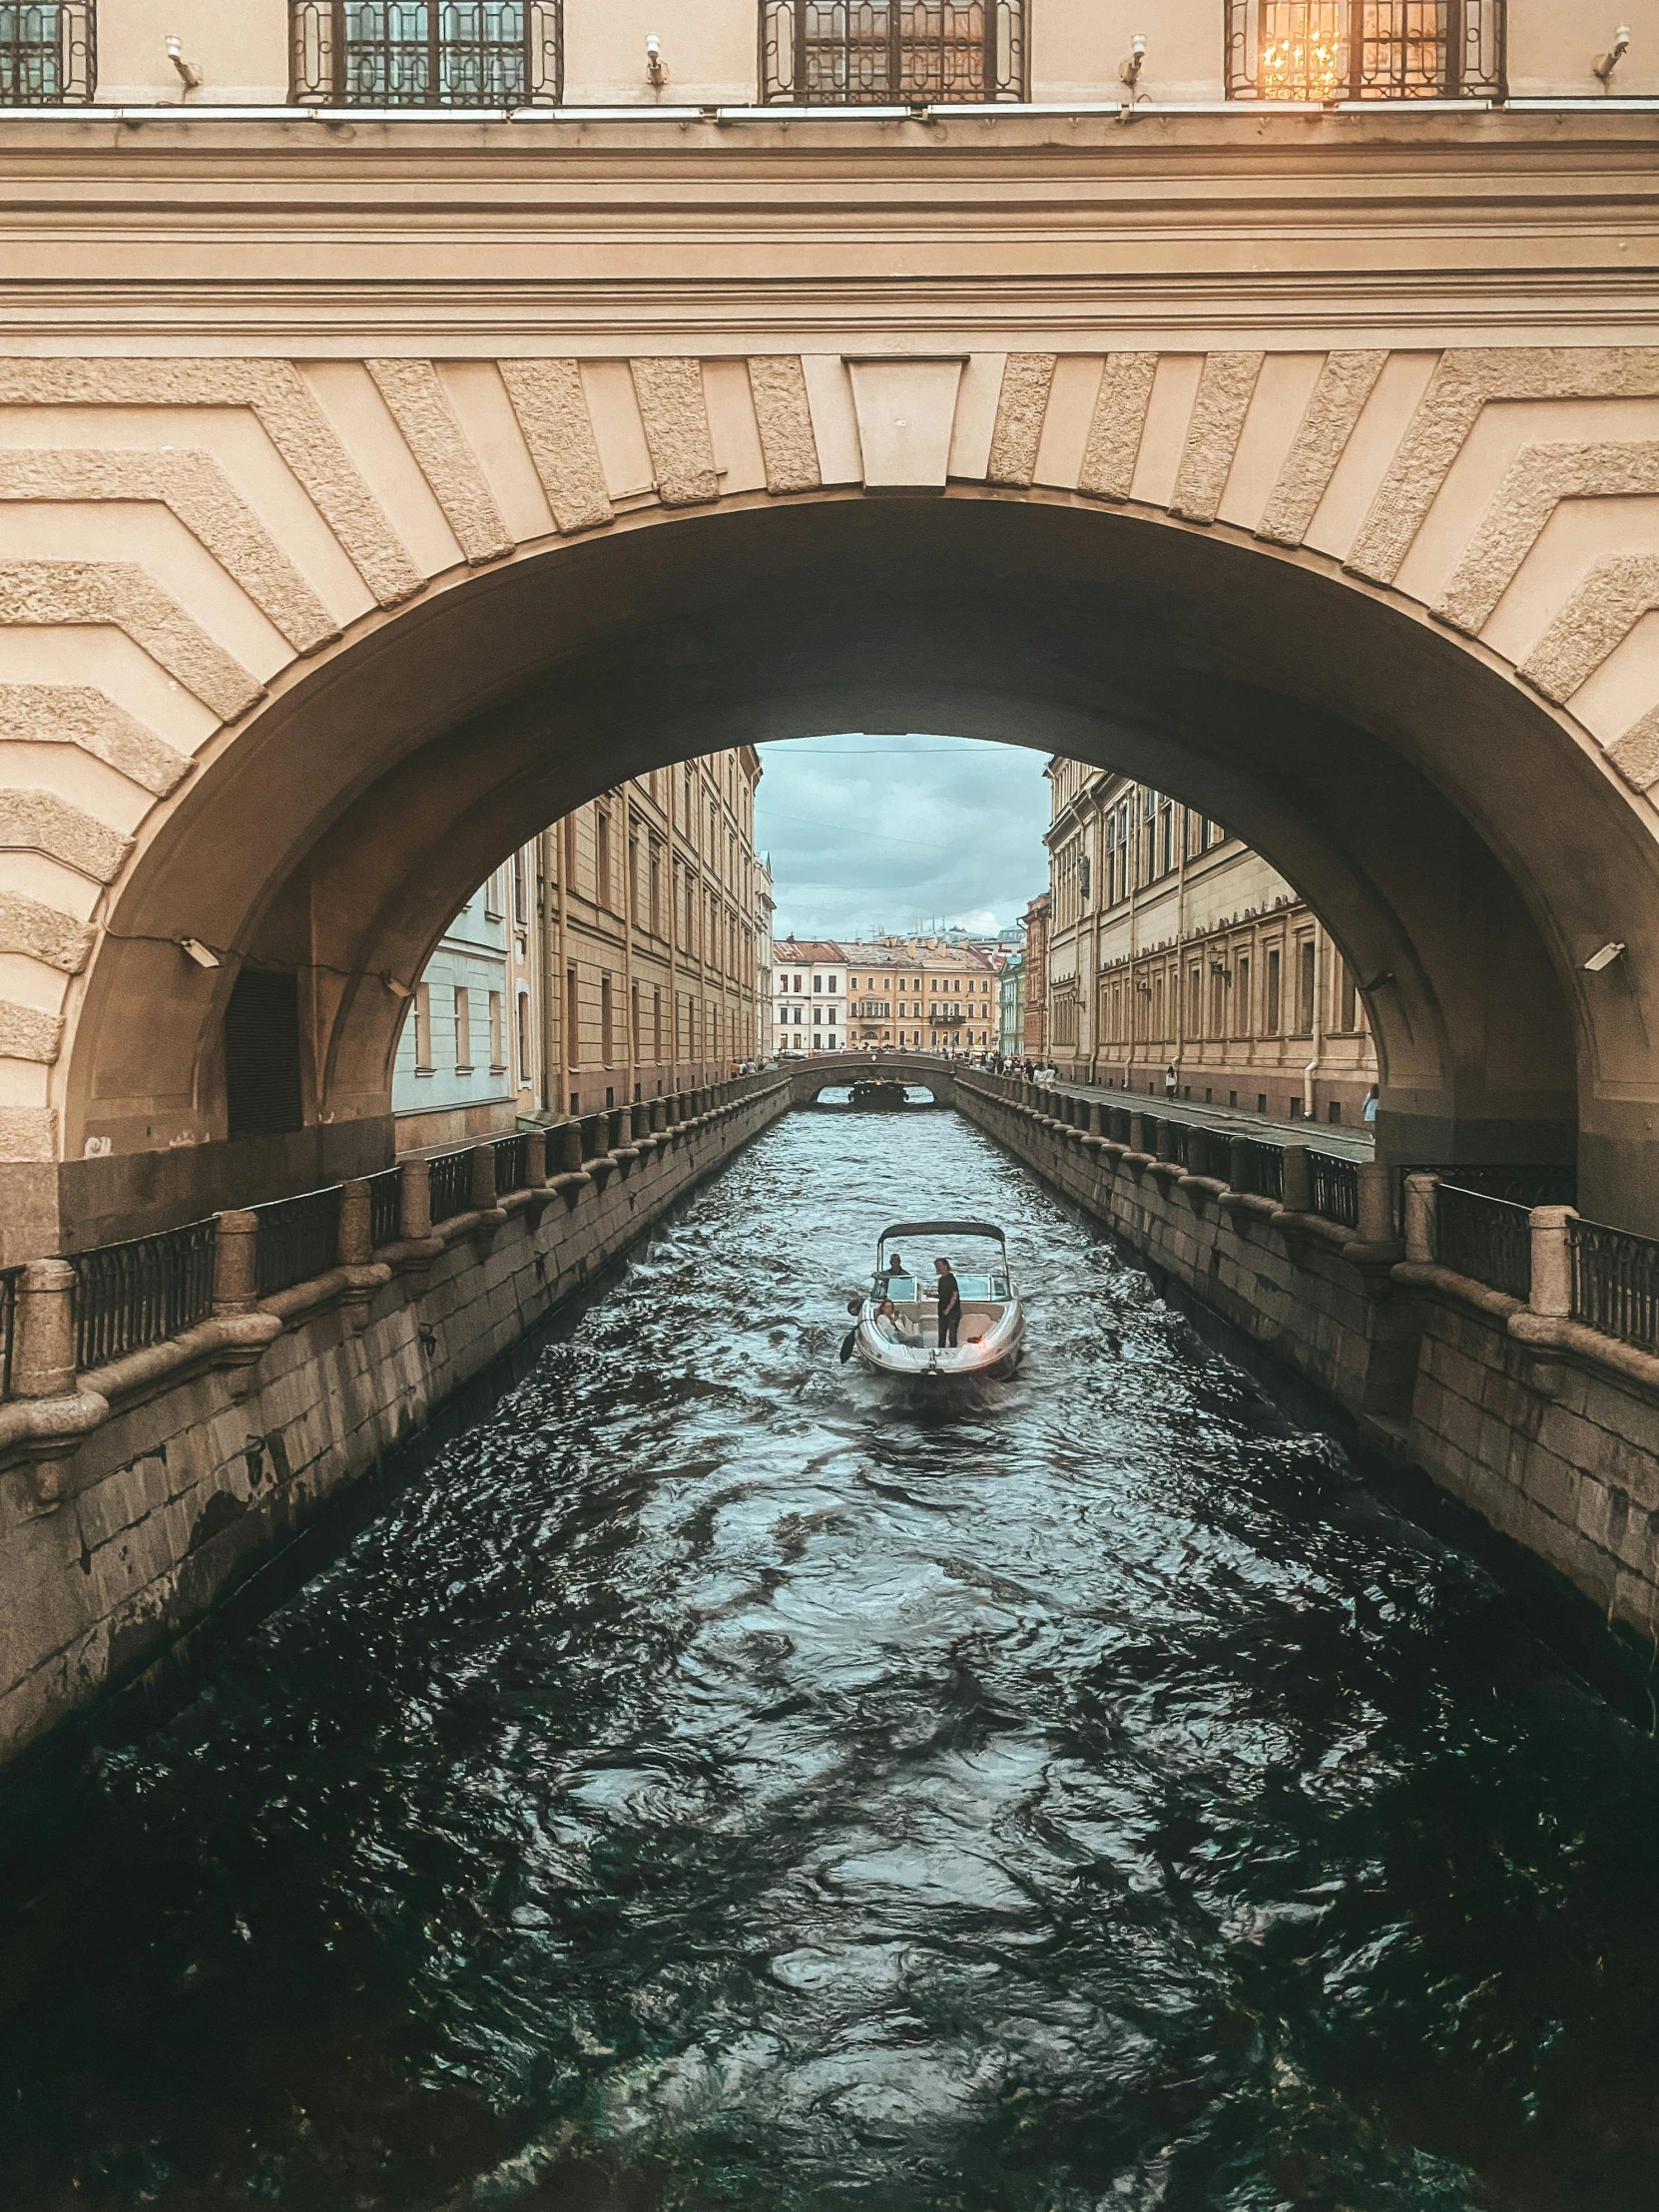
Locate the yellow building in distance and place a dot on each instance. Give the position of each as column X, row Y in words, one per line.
column 1173, row 945
column 633, row 968
column 921, row 993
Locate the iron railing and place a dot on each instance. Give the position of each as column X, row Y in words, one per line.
column 891, row 53
column 1264, row 1169
column 1522, row 1185
column 512, row 1163
column 1615, row 1282
column 298, row 1239
column 385, row 1207
column 10, row 1277
column 1488, row 1239
column 451, row 1185
column 48, row 53
column 1322, row 51
column 427, row 53
column 1334, row 1187
column 140, row 1293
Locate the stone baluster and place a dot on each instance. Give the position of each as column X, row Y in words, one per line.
column 481, row 1178
column 1420, row 1202
column 659, row 1116
column 569, row 1137
column 235, row 1263
column 1238, row 1163
column 1299, row 1183
column 1552, row 1261
column 1137, row 1132
column 43, row 1363
column 414, row 1200
column 1376, row 1212
column 356, row 1239
column 535, row 1160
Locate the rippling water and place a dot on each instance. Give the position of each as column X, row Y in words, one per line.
column 723, row 1782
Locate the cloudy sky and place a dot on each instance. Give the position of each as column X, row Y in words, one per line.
column 878, row 834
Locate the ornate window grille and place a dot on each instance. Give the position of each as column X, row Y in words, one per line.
column 427, row 53
column 48, row 52
column 1325, row 50
column 891, row 53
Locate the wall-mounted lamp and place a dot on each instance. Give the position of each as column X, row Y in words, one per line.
column 1602, row 960
column 189, row 75
column 1605, row 66
column 1129, row 73
column 655, row 66
column 195, row 949
column 398, row 989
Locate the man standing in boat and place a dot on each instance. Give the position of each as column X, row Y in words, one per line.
column 950, row 1304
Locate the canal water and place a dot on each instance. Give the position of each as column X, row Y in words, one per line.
column 724, row 1781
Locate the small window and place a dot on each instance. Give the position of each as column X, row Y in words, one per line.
column 884, row 53
column 426, row 53
column 498, row 1042
column 48, row 53
column 464, row 1030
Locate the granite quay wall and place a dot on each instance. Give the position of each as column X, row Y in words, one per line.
column 1546, row 1428
column 134, row 1497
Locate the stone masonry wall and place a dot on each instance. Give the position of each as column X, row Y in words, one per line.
column 182, row 1493
column 1547, row 1430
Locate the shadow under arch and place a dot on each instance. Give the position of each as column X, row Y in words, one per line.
column 1465, row 850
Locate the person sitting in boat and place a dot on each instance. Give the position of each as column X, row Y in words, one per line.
column 950, row 1304
column 894, row 1266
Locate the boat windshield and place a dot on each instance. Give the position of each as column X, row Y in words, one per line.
column 904, row 1291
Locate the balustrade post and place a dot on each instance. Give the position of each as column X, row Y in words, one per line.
column 659, row 1116
column 1137, row 1132
column 1551, row 1289
column 357, row 1238
column 1166, row 1140
column 1238, row 1163
column 43, row 1363
column 616, row 1128
column 481, row 1178
column 1299, row 1182
column 639, row 1118
column 414, row 1200
column 1422, row 1230
column 1376, row 1214
column 235, row 1263
column 535, row 1160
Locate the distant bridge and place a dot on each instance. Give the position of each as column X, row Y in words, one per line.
column 828, row 1070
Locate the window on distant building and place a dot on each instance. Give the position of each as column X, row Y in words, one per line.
column 498, row 1042
column 422, row 53
column 829, row 53
column 48, row 55
column 1322, row 51
column 464, row 1030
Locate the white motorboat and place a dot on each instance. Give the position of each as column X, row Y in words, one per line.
column 898, row 1321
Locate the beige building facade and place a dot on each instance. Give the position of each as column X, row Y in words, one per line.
column 1174, row 945
column 379, row 481
column 619, row 955
column 920, row 993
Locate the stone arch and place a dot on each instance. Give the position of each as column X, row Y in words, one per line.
column 298, row 681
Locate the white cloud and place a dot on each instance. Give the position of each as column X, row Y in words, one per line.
column 870, row 834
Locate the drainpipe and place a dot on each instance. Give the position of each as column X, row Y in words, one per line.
column 627, row 857
column 1317, row 1014
column 567, row 1045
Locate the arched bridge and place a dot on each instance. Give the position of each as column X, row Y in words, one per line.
column 828, row 1070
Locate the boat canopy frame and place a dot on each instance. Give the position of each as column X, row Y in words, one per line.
column 940, row 1229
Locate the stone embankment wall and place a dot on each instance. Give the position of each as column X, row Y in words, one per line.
column 180, row 1475
column 1547, row 1429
